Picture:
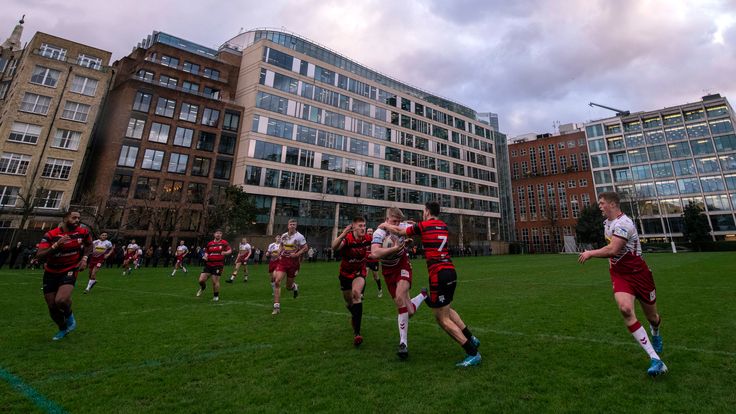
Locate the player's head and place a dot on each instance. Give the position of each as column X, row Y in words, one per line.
column 369, row 232
column 244, row 240
column 359, row 226
column 181, row 242
column 394, row 216
column 431, row 209
column 103, row 236
column 71, row 218
column 292, row 225
column 608, row 203
column 218, row 234
column 132, row 241
column 277, row 238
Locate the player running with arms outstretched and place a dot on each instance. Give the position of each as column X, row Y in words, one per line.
column 101, row 250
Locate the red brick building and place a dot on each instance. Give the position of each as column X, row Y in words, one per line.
column 551, row 182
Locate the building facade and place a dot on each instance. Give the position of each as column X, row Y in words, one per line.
column 551, row 182
column 51, row 93
column 326, row 139
column 660, row 161
column 165, row 151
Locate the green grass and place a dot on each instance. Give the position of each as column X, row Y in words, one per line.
column 553, row 341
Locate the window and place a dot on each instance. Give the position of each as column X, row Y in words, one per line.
column 227, row 144
column 658, row 152
column 152, row 160
column 272, row 103
column 223, row 169
column 75, row 111
column 24, row 133
column 172, row 190
column 336, row 186
column 201, row 166
column 196, row 192
column 212, row 73
column 16, row 164
column 127, row 156
column 684, row 167
column 190, row 67
column 165, row 107
column 178, row 163
column 146, row 188
column 252, row 175
column 183, row 137
column 211, row 92
column 641, row 172
column 66, row 139
column 725, row 143
column 721, row 126
column 51, row 51
column 145, row 75
column 37, row 104
column 679, row 149
column 662, row 169
column 85, row 86
column 135, row 128
column 190, row 86
column 637, row 156
column 231, row 121
column 206, row 141
column 8, row 196
column 188, row 112
column 708, row 165
column 89, row 61
column 57, row 169
column 3, row 87
column 169, row 61
column 702, row 146
column 45, row 76
column 142, row 101
column 48, row 199
column 267, row 151
column 210, row 117
column 688, row 185
column 168, row 81
column 159, row 133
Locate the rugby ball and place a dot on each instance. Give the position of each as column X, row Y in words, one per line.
column 390, row 241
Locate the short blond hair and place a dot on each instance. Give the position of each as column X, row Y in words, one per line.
column 394, row 212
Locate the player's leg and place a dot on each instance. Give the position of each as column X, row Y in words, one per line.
column 245, row 271
column 202, row 282
column 356, row 308
column 93, row 268
column 377, row 279
column 443, row 316
column 234, row 274
column 49, row 295
column 655, row 320
column 625, row 302
column 216, row 286
column 403, row 305
column 278, row 276
column 176, row 267
column 64, row 302
column 291, row 284
column 463, row 327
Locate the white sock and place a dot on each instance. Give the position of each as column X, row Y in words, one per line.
column 417, row 301
column 640, row 334
column 174, row 272
column 90, row 283
column 403, row 321
column 296, row 287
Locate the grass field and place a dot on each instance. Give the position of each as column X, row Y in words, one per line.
column 552, row 341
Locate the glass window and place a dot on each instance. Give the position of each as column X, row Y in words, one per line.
column 178, row 163
column 712, row 184
column 57, row 169
column 675, row 133
column 722, row 222
column 190, row 67
column 684, row 167
column 212, row 73
column 728, row 162
column 641, row 172
column 632, row 126
column 721, row 126
column 665, row 188
column 637, row 156
column 698, row 130
column 654, row 137
column 169, row 61
column 227, row 144
column 165, row 107
column 596, row 145
column 658, row 152
column 206, row 141
column 267, row 151
column 231, row 121
column 635, row 140
column 602, row 177
column 598, row 161
column 662, row 169
column 127, row 156
column 45, row 76
column 336, row 186
column 694, row 114
column 75, row 111
column 52, row 52
column 702, row 146
column 201, row 166
column 37, row 104
column 716, row 111
column 679, row 149
column 615, row 143
column 652, row 122
column 120, row 185
column 210, row 117
column 618, row 158
column 594, row 130
column 24, row 133
column 66, row 139
column 83, row 85
column 159, row 133
column 183, row 137
column 688, row 185
column 717, row 203
column 146, row 188
column 168, row 81
column 188, row 112
column 252, row 175
column 621, row 175
column 725, row 143
column 152, row 160
column 190, row 86
column 645, row 189
column 49, row 199
column 672, row 119
column 142, row 102
column 223, row 169
column 707, row 165
column 16, row 164
column 135, row 128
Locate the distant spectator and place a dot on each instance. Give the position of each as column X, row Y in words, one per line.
column 4, row 254
column 148, row 256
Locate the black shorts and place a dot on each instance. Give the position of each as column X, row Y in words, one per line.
column 346, row 283
column 441, row 288
column 372, row 265
column 213, row 270
column 52, row 280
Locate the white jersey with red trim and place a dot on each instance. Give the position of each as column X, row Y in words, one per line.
column 628, row 259
column 244, row 248
column 380, row 235
column 100, row 247
column 273, row 250
column 133, row 248
column 181, row 250
column 292, row 243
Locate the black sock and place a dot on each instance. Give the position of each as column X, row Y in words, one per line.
column 378, row 282
column 357, row 311
column 470, row 348
column 467, row 333
column 58, row 317
column 202, row 285
column 217, row 294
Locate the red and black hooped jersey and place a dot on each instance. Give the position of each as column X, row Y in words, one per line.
column 354, row 253
column 214, row 252
column 70, row 253
column 434, row 239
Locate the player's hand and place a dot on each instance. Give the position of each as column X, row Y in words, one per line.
column 409, row 241
column 584, row 256
column 62, row 241
column 411, row 222
column 348, row 229
column 204, row 256
column 83, row 264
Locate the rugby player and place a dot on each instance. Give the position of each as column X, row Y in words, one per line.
column 101, row 250
column 292, row 246
column 181, row 252
column 131, row 257
column 214, row 262
column 244, row 252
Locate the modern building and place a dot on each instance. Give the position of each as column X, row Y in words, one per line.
column 165, row 150
column 662, row 160
column 489, row 118
column 506, row 227
column 50, row 96
column 551, row 182
column 328, row 139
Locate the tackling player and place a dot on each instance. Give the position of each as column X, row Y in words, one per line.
column 131, row 256
column 442, row 279
column 214, row 261
column 397, row 273
column 292, row 246
column 244, row 252
column 181, row 252
column 632, row 280
column 373, row 265
column 101, row 250
column 66, row 249
column 354, row 243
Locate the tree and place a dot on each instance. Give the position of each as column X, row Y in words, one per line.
column 589, row 228
column 695, row 224
column 231, row 210
column 28, row 199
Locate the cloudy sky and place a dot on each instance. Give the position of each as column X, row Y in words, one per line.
column 533, row 62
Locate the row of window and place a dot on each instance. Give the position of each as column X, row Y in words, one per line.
column 187, row 111
column 693, row 185
column 50, row 199
column 187, row 66
column 25, row 133
column 59, row 53
column 50, row 77
column 656, row 121
column 17, row 164
column 700, row 147
column 153, row 188
column 39, row 104
column 711, row 203
column 178, row 163
column 693, row 132
column 551, row 147
column 173, row 83
column 183, row 137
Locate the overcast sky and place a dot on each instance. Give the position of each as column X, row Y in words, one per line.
column 533, row 62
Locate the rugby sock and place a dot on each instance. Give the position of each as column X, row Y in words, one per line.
column 217, row 294
column 654, row 329
column 417, row 301
column 470, row 348
column 273, row 287
column 378, row 282
column 403, row 320
column 640, row 334
column 467, row 333
column 357, row 310
column 58, row 317
column 202, row 285
column 90, row 284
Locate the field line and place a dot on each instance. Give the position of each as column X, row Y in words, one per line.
column 39, row 400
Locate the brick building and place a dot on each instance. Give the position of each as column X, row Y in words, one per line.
column 165, row 149
column 551, row 182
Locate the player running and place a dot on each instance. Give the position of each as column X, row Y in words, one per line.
column 214, row 262
column 292, row 246
column 101, row 250
column 131, row 257
column 397, row 274
column 373, row 265
column 632, row 280
column 354, row 244
column 244, row 252
column 181, row 252
column 273, row 257
column 442, row 279
column 66, row 249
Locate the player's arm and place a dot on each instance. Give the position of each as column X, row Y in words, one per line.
column 611, row 249
column 86, row 251
column 228, row 252
column 109, row 251
column 379, row 252
column 46, row 246
column 393, row 229
column 302, row 250
column 340, row 240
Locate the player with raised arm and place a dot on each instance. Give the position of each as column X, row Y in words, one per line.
column 214, row 262
column 354, row 245
column 442, row 278
column 373, row 264
column 244, row 252
column 181, row 252
column 66, row 249
column 390, row 249
column 632, row 280
column 273, row 259
column 292, row 246
column 101, row 250
column 131, row 256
